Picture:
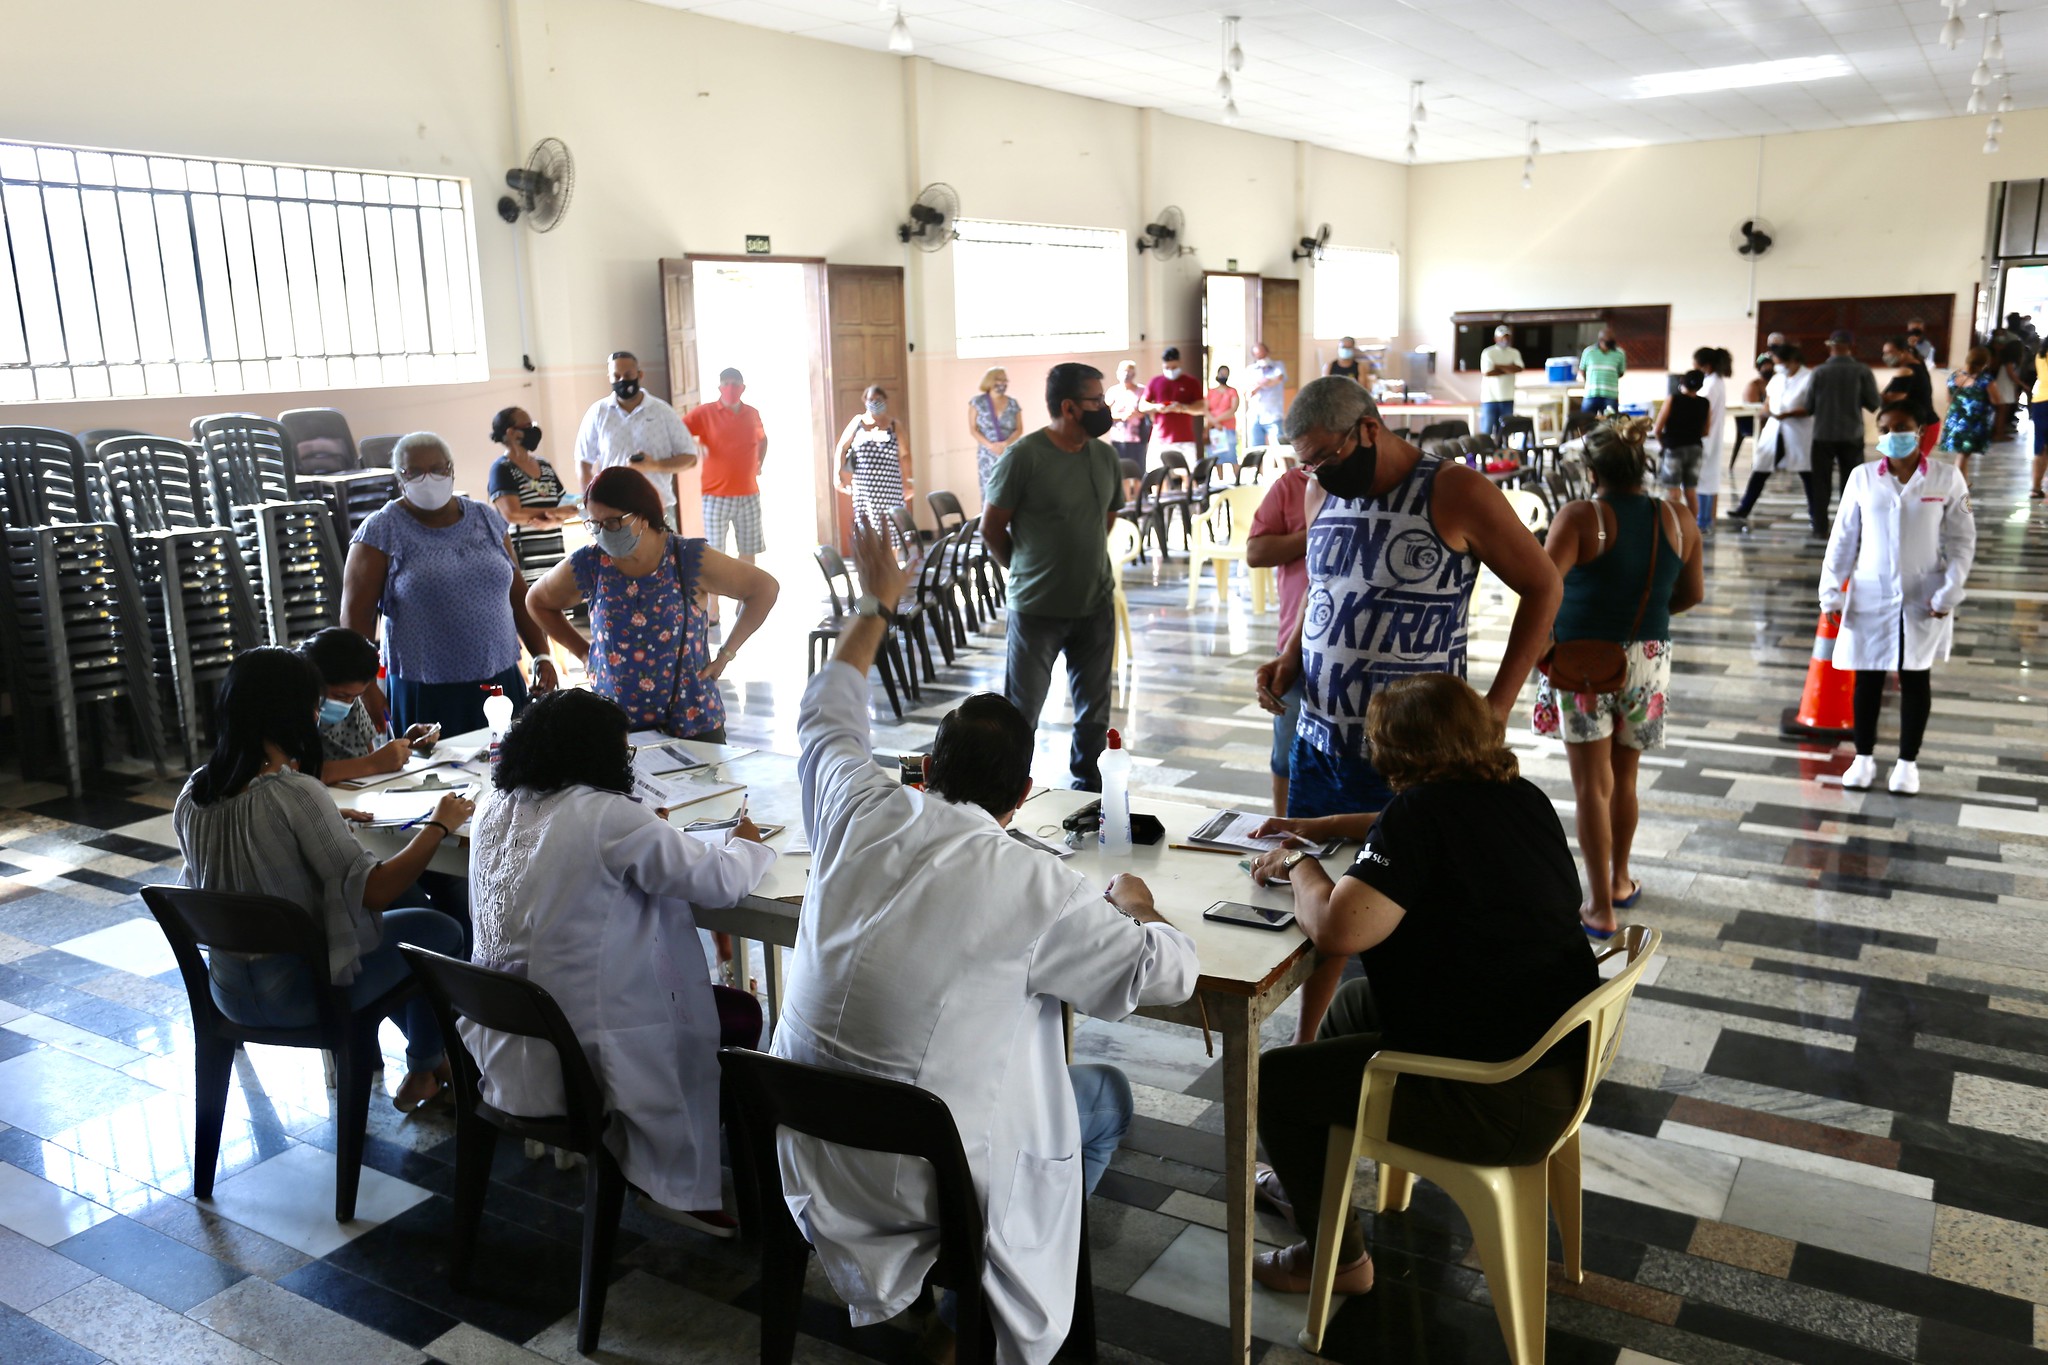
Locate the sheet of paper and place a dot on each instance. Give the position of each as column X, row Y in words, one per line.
column 1030, row 841
column 1235, row 829
column 389, row 808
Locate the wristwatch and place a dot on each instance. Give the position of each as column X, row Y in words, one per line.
column 1291, row 861
column 870, row 605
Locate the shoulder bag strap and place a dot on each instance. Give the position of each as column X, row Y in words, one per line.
column 1650, row 578
column 675, row 554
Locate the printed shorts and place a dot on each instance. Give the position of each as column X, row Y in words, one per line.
column 1634, row 716
column 743, row 514
column 1680, row 466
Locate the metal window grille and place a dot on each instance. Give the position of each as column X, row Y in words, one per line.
column 1038, row 289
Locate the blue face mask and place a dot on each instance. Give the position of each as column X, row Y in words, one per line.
column 620, row 543
column 1897, row 445
column 334, row 712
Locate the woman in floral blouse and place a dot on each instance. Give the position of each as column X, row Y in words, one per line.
column 650, row 637
column 1630, row 562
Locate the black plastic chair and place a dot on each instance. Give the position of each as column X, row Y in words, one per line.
column 1146, row 511
column 839, row 584
column 1251, row 465
column 946, row 509
column 929, row 591
column 45, row 479
column 233, row 922
column 374, row 452
column 506, row 1003
column 763, row 1094
column 1445, row 430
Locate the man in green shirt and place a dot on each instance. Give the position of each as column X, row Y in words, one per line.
column 1051, row 502
column 1602, row 364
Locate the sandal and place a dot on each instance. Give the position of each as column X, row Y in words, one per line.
column 1267, row 1189
column 1594, row 932
column 407, row 1101
column 1628, row 902
column 1288, row 1271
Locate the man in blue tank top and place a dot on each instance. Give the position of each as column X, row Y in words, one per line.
column 1393, row 554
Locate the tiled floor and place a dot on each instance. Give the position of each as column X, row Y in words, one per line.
column 1826, row 1138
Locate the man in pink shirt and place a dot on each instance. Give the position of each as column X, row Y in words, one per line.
column 1279, row 540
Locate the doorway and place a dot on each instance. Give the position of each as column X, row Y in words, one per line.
column 2023, row 288
column 1230, row 308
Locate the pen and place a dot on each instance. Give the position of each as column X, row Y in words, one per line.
column 1197, row 848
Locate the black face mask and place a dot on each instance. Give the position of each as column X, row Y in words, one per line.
column 1352, row 476
column 530, row 438
column 626, row 389
column 1096, row 421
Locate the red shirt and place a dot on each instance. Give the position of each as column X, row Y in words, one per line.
column 731, row 438
column 1174, row 426
column 1283, row 511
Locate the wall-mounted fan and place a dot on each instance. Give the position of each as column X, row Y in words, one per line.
column 1163, row 234
column 540, row 188
column 931, row 218
column 1752, row 237
column 1311, row 248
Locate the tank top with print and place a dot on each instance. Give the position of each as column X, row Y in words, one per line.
column 1386, row 599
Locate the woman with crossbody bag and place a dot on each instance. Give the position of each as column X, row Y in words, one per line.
column 1629, row 561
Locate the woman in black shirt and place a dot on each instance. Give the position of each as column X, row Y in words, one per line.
column 1470, row 957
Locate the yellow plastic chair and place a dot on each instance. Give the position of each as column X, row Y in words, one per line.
column 1506, row 1205
column 1531, row 509
column 1123, row 552
column 1234, row 508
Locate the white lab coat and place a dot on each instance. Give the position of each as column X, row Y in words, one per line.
column 936, row 950
column 1904, row 551
column 587, row 893
column 1715, row 391
column 1786, row 443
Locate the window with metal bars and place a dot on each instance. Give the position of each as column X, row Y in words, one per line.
column 125, row 275
column 1038, row 289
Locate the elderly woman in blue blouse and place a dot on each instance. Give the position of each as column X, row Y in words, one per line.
column 439, row 571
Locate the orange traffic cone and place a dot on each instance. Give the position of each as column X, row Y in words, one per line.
column 1826, row 707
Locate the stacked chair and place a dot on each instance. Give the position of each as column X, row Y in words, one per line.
column 289, row 549
column 331, row 468
column 71, row 618
column 839, row 585
column 200, row 607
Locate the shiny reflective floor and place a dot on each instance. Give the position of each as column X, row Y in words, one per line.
column 1826, row 1138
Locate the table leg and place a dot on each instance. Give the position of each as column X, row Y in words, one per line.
column 740, row 974
column 772, row 975
column 1232, row 1016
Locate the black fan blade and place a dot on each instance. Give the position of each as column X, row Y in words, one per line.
column 924, row 213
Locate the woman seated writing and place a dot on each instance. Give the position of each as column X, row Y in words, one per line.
column 256, row 819
column 1460, row 961
column 350, row 747
column 586, row 892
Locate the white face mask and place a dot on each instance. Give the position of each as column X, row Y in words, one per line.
column 432, row 493
column 1171, row 371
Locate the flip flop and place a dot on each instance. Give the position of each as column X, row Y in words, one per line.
column 1597, row 935
column 1629, row 901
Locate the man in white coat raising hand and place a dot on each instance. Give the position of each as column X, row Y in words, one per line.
column 936, row 950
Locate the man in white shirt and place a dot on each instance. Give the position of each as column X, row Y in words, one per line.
column 934, row 949
column 1267, row 399
column 1499, row 366
column 1916, row 337
column 633, row 427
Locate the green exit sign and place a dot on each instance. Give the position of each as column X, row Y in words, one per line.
column 757, row 244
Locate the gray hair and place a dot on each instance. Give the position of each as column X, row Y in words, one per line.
column 418, row 440
column 1335, row 403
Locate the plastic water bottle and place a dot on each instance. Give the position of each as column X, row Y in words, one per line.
column 497, row 716
column 1115, row 765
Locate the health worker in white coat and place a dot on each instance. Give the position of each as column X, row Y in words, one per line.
column 1903, row 543
column 934, row 949
column 1715, row 364
column 1786, row 442
column 582, row 890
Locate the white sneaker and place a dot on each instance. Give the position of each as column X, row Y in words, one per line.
column 1859, row 775
column 1906, row 777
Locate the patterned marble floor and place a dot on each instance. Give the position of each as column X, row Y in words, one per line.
column 1824, row 1140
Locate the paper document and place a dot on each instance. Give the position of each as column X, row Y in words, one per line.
column 387, row 809
column 1234, row 829
column 1029, row 841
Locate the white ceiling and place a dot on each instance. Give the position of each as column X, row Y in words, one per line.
column 1336, row 72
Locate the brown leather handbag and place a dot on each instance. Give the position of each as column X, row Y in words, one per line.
column 1601, row 665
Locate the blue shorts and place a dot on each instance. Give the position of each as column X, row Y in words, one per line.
column 1331, row 784
column 1284, row 726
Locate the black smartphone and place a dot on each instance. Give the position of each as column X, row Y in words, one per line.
column 1253, row 916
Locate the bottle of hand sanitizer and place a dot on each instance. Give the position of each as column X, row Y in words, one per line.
column 498, row 718
column 1115, row 766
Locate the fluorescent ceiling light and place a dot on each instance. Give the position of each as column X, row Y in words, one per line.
column 1788, row 71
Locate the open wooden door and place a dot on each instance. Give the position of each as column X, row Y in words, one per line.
column 867, row 344
column 679, row 330
column 1280, row 327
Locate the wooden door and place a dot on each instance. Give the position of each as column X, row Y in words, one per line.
column 866, row 344
column 1280, row 327
column 679, row 326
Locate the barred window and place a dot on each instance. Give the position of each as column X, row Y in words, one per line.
column 128, row 275
column 1038, row 289
column 1358, row 293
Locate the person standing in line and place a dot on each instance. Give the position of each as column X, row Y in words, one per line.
column 996, row 421
column 1393, row 555
column 1174, row 398
column 872, row 454
column 523, row 487
column 1916, row 339
column 1915, row 387
column 1892, row 578
column 1843, row 390
column 1602, row 365
column 1500, row 365
column 2008, row 355
column 1279, row 540
column 2038, row 406
column 1268, row 401
column 1129, row 427
column 1753, row 394
column 1051, row 504
column 634, row 427
column 1716, row 365
column 1681, row 430
column 1347, row 362
column 1222, row 403
column 1628, row 567
column 1966, row 430
column 1787, row 440
column 735, row 453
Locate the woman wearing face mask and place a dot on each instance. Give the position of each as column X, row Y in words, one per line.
column 1129, row 427
column 649, row 647
column 524, row 488
column 997, row 422
column 351, row 745
column 872, row 453
column 440, row 571
column 1894, row 571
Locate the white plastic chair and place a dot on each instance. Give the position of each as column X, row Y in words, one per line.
column 1234, row 508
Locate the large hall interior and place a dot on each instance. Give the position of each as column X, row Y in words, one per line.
column 1417, row 738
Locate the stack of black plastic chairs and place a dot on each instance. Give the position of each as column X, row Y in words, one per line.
column 289, row 549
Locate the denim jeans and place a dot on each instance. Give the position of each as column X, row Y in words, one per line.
column 1264, row 433
column 1103, row 1097
column 276, row 991
column 456, row 707
column 1492, row 414
column 1331, row 784
column 1284, row 726
column 1089, row 642
column 1596, row 406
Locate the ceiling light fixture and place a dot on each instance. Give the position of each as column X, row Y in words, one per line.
column 899, row 36
column 1994, row 47
column 1991, row 144
column 1529, row 158
column 1419, row 113
column 1223, row 90
column 2005, row 99
column 1785, row 71
column 1976, row 104
column 1230, row 111
column 1952, row 28
column 1236, row 58
column 1996, row 126
column 1231, row 59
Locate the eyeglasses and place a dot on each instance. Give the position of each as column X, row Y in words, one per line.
column 617, row 523
column 442, row 471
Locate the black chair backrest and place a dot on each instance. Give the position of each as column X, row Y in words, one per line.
column 946, row 508
column 1148, row 491
column 1522, row 424
column 43, row 479
column 248, row 460
column 1204, row 469
column 153, row 483
column 321, row 442
column 1251, row 464
column 1132, row 469
column 1174, row 460
column 374, row 452
column 1444, row 431
column 867, row 1113
column 238, row 922
column 90, row 439
column 963, row 547
column 938, row 558
column 838, row 579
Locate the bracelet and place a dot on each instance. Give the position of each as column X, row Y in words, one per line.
column 436, row 824
column 727, row 653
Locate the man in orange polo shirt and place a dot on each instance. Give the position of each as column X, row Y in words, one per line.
column 735, row 447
